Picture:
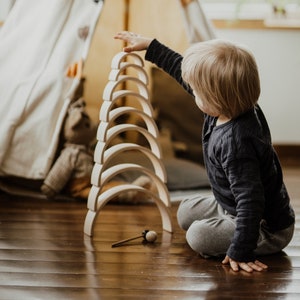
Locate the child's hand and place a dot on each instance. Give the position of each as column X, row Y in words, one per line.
column 246, row 266
column 136, row 41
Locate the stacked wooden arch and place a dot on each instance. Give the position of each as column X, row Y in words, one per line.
column 107, row 130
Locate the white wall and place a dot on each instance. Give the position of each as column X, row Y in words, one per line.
column 278, row 58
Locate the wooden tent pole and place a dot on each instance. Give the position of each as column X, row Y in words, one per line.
column 126, row 14
column 126, row 28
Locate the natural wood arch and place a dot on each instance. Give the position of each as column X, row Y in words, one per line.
column 111, row 86
column 103, row 157
column 119, row 111
column 107, row 105
column 114, row 192
column 116, row 74
column 101, row 177
column 106, row 135
column 121, row 57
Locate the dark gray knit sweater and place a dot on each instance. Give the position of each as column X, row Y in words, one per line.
column 242, row 166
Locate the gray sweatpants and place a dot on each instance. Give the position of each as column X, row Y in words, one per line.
column 209, row 228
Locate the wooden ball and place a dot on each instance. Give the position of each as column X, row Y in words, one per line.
column 151, row 236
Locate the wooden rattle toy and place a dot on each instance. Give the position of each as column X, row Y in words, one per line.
column 149, row 236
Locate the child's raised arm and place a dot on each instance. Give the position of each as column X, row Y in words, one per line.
column 135, row 41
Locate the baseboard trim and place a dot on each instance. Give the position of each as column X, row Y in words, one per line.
column 289, row 155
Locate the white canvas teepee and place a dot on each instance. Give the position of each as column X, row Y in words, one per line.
column 39, row 40
column 197, row 25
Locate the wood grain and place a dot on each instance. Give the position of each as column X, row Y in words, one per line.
column 45, row 255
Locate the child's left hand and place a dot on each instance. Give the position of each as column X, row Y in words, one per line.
column 136, row 42
column 246, row 266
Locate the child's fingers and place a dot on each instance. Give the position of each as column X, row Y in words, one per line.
column 128, row 49
column 260, row 264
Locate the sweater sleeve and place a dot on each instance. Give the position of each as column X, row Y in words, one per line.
column 250, row 205
column 243, row 173
column 168, row 60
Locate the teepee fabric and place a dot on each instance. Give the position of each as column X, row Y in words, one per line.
column 198, row 27
column 39, row 40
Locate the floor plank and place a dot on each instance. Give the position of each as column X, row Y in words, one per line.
column 44, row 254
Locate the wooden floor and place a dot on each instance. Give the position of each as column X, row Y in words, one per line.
column 45, row 255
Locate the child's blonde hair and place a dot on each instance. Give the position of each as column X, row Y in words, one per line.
column 223, row 75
